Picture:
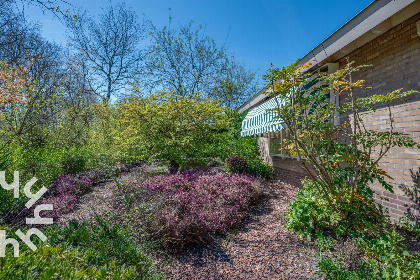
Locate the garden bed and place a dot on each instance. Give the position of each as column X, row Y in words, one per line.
column 261, row 248
column 255, row 246
column 258, row 248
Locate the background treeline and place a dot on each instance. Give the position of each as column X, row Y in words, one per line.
column 122, row 89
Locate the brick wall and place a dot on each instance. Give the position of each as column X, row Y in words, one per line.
column 395, row 59
column 286, row 170
column 395, row 56
column 397, row 205
column 398, row 162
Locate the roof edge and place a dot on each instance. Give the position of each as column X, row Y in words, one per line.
column 366, row 20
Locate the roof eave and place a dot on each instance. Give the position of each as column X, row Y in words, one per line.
column 341, row 42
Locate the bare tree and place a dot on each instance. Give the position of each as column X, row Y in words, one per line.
column 21, row 46
column 45, row 5
column 235, row 83
column 12, row 26
column 52, row 84
column 76, row 84
column 185, row 60
column 110, row 47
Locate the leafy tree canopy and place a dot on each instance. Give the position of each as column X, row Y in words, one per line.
column 169, row 127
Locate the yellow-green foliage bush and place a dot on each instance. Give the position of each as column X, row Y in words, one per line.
column 167, row 127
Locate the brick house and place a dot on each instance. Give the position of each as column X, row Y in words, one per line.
column 386, row 35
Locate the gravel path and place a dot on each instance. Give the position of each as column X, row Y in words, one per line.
column 98, row 201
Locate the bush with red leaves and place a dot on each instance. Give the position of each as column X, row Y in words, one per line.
column 186, row 207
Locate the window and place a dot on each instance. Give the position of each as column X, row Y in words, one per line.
column 276, row 139
column 277, row 142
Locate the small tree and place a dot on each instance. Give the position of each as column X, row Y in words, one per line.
column 340, row 159
column 168, row 127
column 13, row 82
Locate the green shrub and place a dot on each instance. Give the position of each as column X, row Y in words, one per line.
column 3, row 159
column 80, row 252
column 169, row 128
column 324, row 243
column 256, row 168
column 73, row 164
column 333, row 270
column 7, row 200
column 51, row 161
column 406, row 224
column 41, row 162
column 259, row 169
column 229, row 142
column 236, row 164
column 381, row 258
column 342, row 159
column 310, row 213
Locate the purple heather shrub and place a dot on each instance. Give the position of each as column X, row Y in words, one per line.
column 189, row 206
column 69, row 184
column 96, row 175
column 63, row 193
column 63, row 204
column 93, row 175
column 63, row 185
column 84, row 183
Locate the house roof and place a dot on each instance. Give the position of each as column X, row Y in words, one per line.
column 376, row 18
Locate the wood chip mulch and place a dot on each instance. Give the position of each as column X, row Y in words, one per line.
column 261, row 249
column 98, row 201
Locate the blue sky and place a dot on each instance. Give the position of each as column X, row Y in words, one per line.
column 258, row 31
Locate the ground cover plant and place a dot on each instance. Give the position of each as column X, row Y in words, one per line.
column 64, row 192
column 384, row 257
column 80, row 251
column 191, row 206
